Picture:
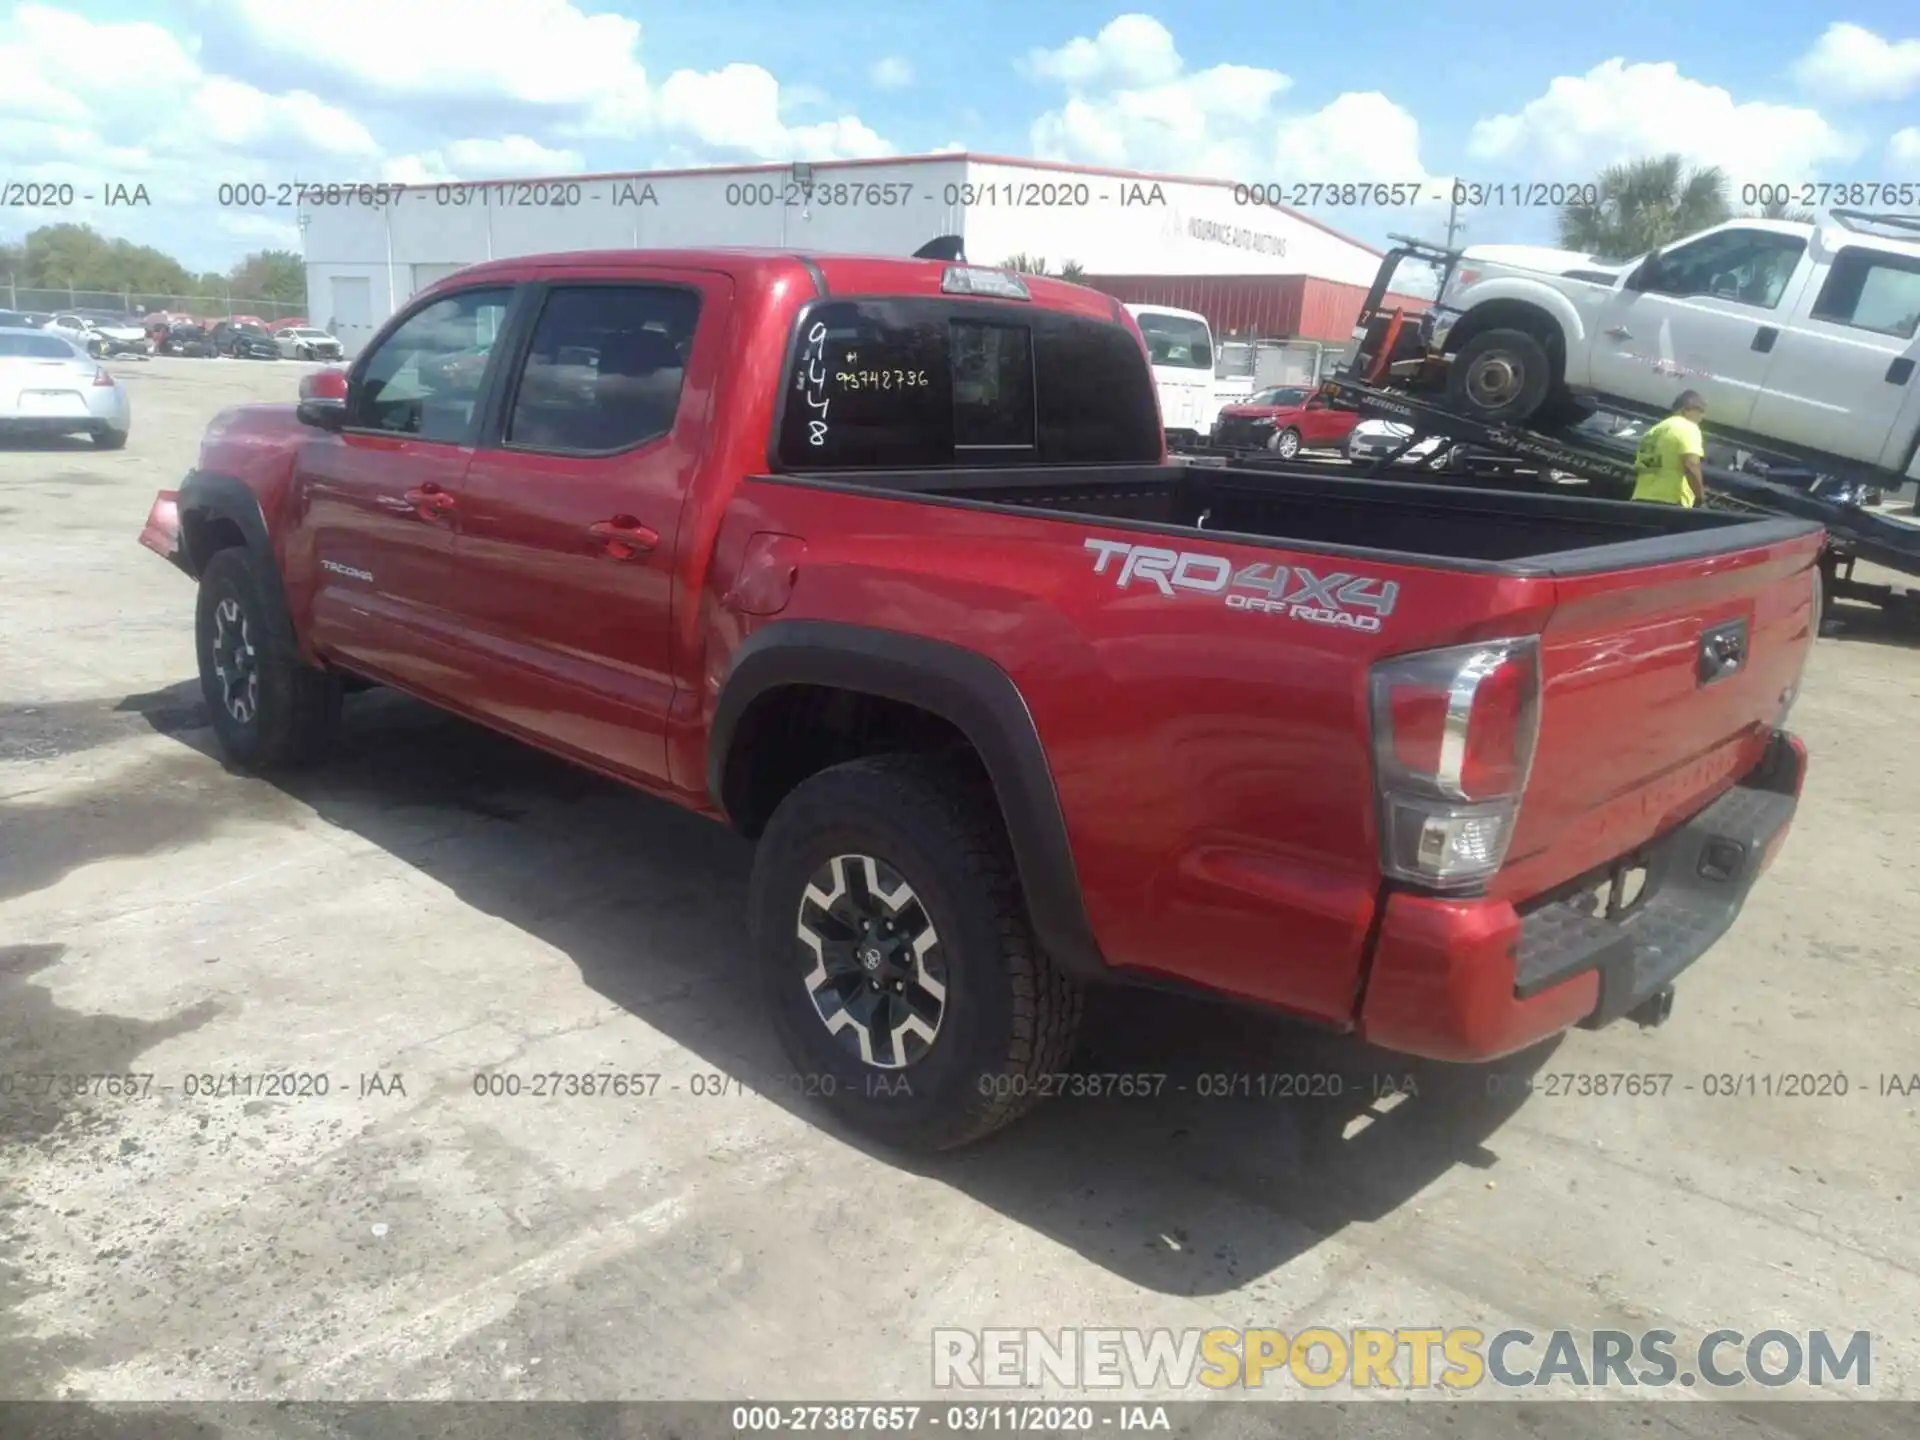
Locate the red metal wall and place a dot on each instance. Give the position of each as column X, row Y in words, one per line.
column 1266, row 307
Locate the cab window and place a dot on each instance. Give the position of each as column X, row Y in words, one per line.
column 605, row 369
column 1750, row 267
column 424, row 379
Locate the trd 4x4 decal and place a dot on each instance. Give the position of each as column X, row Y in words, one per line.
column 1351, row 602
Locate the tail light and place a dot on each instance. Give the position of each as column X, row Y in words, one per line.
column 1453, row 740
column 101, row 377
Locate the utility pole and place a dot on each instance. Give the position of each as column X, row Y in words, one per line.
column 1453, row 217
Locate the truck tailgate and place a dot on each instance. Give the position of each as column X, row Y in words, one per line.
column 1661, row 688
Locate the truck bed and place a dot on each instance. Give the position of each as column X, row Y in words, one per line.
column 1497, row 531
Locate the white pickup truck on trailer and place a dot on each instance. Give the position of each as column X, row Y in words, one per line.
column 1804, row 339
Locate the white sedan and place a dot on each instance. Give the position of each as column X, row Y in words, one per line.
column 50, row 386
column 303, row 342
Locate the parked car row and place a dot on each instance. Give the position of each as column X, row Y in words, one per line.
column 109, row 334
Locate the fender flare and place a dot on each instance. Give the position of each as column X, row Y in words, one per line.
column 205, row 496
column 1544, row 298
column 971, row 693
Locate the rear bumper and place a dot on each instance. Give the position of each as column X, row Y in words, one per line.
column 1475, row 980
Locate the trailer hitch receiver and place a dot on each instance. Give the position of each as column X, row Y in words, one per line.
column 1654, row 1010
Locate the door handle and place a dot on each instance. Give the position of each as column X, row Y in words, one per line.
column 1764, row 338
column 1619, row 332
column 624, row 537
column 430, row 497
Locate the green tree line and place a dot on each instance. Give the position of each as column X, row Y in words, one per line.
column 77, row 257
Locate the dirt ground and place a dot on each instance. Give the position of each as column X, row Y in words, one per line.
column 441, row 902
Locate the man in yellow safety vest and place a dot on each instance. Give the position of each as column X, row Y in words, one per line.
column 1666, row 466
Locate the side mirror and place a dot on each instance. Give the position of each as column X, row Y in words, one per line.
column 323, row 400
column 1646, row 274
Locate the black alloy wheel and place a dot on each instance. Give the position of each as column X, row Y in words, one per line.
column 896, row 955
column 872, row 963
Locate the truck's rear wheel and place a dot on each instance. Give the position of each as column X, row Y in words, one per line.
column 897, row 957
column 270, row 709
column 1500, row 375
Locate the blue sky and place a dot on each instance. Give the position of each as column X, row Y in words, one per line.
column 184, row 94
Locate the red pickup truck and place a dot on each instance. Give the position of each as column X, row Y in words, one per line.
column 883, row 563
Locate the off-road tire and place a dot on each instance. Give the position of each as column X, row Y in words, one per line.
column 1010, row 1016
column 297, row 713
column 1529, row 356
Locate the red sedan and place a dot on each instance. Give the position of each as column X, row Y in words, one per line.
column 1286, row 420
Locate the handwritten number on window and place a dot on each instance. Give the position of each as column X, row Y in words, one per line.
column 817, row 383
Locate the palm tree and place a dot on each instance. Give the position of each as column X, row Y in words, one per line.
column 1643, row 205
column 1025, row 264
column 1074, row 271
column 1778, row 210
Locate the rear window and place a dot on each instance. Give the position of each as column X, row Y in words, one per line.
column 892, row 384
column 37, row 347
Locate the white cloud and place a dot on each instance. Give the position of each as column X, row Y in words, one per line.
column 1130, row 50
column 502, row 158
column 1850, row 62
column 1131, row 101
column 1361, row 136
column 427, row 167
column 1904, row 147
column 542, row 52
column 892, row 73
column 132, row 99
column 737, row 108
column 584, row 70
column 513, row 155
column 1618, row 112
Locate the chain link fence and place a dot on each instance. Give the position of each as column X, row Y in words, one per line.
column 133, row 302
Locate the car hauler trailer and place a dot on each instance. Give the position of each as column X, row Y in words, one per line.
column 1387, row 376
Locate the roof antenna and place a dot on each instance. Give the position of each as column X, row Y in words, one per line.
column 942, row 247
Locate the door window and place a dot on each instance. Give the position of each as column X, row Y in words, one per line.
column 425, row 378
column 605, row 369
column 1750, row 267
column 1871, row 290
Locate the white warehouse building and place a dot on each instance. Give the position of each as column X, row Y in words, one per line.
column 1164, row 239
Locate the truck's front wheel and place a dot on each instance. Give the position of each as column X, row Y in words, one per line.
column 897, row 957
column 270, row 709
column 1500, row 375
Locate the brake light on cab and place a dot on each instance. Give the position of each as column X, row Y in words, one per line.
column 1453, row 740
